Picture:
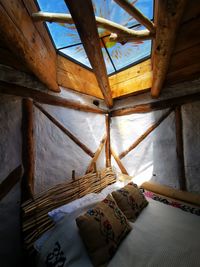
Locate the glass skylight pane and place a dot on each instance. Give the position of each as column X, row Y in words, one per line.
column 77, row 52
column 145, row 6
column 62, row 34
column 109, row 66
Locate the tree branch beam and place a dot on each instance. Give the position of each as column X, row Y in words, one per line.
column 119, row 163
column 118, row 32
column 134, row 12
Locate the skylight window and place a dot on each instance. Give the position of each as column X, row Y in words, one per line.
column 116, row 55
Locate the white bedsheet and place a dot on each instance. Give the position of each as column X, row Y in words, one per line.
column 162, row 236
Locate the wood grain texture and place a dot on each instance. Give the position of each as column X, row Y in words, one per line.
column 167, row 20
column 145, row 134
column 7, row 184
column 28, row 149
column 22, row 38
column 45, row 98
column 65, row 131
column 107, row 147
column 180, row 148
column 87, row 29
column 73, row 76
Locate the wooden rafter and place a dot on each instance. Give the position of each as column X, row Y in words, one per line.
column 168, row 14
column 44, row 98
column 121, row 32
column 133, row 11
column 158, row 105
column 64, row 130
column 119, row 163
column 96, row 155
column 84, row 19
column 107, row 148
column 145, row 134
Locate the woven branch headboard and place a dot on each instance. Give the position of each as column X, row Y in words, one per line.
column 35, row 219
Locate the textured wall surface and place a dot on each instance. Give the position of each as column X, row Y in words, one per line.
column 10, row 158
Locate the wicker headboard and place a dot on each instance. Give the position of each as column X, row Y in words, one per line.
column 35, row 219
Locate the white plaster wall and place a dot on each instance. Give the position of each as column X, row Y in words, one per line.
column 10, row 158
column 56, row 154
column 191, row 137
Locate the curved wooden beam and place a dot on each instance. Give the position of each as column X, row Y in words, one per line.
column 133, row 11
column 111, row 26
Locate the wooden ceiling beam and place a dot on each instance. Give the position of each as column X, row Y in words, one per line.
column 133, row 11
column 168, row 14
column 83, row 15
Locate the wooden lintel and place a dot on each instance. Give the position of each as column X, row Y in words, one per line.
column 28, row 151
column 96, row 155
column 87, row 29
column 167, row 20
column 145, row 134
column 45, row 98
column 10, row 181
column 179, row 148
column 119, row 163
column 133, row 11
column 157, row 105
column 65, row 131
column 107, row 147
column 172, row 193
column 21, row 36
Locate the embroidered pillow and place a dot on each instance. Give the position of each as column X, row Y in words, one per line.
column 130, row 200
column 102, row 228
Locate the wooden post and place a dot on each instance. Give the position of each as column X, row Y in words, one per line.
column 108, row 152
column 28, row 155
column 121, row 166
column 73, row 175
column 179, row 148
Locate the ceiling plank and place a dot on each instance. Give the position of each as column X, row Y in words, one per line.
column 168, row 14
column 133, row 11
column 84, row 19
column 22, row 38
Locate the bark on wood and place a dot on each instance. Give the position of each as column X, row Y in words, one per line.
column 67, row 132
column 117, row 159
column 96, row 155
column 108, row 152
column 86, row 26
column 44, row 98
column 167, row 20
column 10, row 181
column 28, row 153
column 22, row 38
column 158, row 105
column 134, row 12
column 179, row 148
column 112, row 27
column 144, row 135
column 172, row 193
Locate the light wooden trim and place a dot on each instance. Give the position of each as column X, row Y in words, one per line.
column 107, row 147
column 179, row 148
column 22, row 38
column 172, row 193
column 145, row 134
column 45, row 98
column 64, row 130
column 28, row 149
column 119, row 163
column 96, row 155
column 134, row 12
column 167, row 20
column 157, row 105
column 86, row 26
column 7, row 184
column 112, row 27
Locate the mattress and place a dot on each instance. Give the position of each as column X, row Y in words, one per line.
column 161, row 236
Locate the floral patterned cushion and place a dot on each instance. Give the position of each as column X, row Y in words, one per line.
column 102, row 228
column 130, row 200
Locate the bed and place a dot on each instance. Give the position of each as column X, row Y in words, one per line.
column 162, row 235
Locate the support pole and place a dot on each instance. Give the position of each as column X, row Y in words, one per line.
column 108, row 152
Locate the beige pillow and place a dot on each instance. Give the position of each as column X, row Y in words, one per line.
column 102, row 228
column 130, row 200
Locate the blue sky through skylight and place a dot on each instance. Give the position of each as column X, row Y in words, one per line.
column 116, row 56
